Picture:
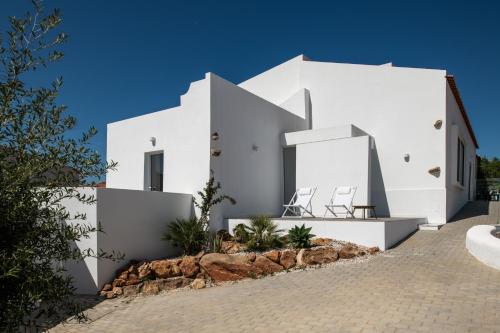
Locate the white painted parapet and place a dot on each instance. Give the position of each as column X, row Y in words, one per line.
column 482, row 244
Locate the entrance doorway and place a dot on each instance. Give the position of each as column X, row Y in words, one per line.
column 153, row 175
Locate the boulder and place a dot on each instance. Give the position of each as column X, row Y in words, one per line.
column 273, row 255
column 321, row 241
column 224, row 267
column 119, row 283
column 107, row 287
column 373, row 250
column 132, row 290
column 123, row 275
column 317, row 256
column 108, row 294
column 144, row 270
column 266, row 265
column 348, row 252
column 287, row 258
column 231, row 247
column 166, row 268
column 117, row 290
column 132, row 279
column 189, row 266
column 198, row 283
column 153, row 287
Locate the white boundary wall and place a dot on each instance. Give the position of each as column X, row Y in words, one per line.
column 133, row 223
column 483, row 245
column 381, row 233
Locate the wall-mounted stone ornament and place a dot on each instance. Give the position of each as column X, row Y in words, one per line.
column 438, row 124
column 215, row 152
column 436, row 171
column 215, row 136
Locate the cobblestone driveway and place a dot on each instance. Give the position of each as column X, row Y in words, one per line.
column 429, row 283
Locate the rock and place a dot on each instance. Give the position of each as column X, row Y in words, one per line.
column 362, row 252
column 189, row 266
column 133, row 279
column 153, row 287
column 273, row 255
column 123, row 275
column 223, row 267
column 165, row 268
column 109, row 294
column 231, row 247
column 250, row 256
column 119, row 283
column 266, row 265
column 132, row 290
column 348, row 252
column 198, row 283
column 117, row 290
column 144, row 270
column 321, row 241
column 287, row 258
column 107, row 287
column 316, row 256
column 373, row 250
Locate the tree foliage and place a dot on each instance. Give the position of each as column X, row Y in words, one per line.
column 209, row 197
column 489, row 168
column 40, row 167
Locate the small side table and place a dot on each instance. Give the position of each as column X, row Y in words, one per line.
column 364, row 208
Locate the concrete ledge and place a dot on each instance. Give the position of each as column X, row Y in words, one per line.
column 482, row 244
column 383, row 232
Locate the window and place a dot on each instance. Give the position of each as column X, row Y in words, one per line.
column 153, row 175
column 460, row 162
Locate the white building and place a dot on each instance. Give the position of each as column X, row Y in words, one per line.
column 401, row 135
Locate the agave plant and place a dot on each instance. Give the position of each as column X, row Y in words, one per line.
column 263, row 233
column 190, row 235
column 300, row 236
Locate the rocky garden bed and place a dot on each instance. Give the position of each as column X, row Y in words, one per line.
column 234, row 263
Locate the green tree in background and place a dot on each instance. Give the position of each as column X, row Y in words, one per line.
column 40, row 165
column 489, row 168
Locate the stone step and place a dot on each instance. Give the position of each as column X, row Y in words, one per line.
column 429, row 226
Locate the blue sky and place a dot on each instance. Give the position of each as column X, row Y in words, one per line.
column 127, row 58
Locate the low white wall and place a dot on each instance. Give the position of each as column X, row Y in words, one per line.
column 133, row 223
column 483, row 245
column 383, row 234
column 84, row 273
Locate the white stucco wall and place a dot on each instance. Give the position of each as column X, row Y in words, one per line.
column 182, row 133
column 84, row 274
column 323, row 164
column 457, row 195
column 250, row 167
column 133, row 223
column 398, row 108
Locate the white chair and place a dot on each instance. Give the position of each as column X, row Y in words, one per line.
column 342, row 198
column 301, row 202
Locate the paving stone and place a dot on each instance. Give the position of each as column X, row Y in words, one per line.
column 429, row 283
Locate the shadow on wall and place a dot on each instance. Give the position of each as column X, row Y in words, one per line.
column 472, row 209
column 378, row 195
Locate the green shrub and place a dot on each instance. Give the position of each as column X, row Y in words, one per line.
column 240, row 233
column 263, row 234
column 189, row 235
column 215, row 242
column 300, row 236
